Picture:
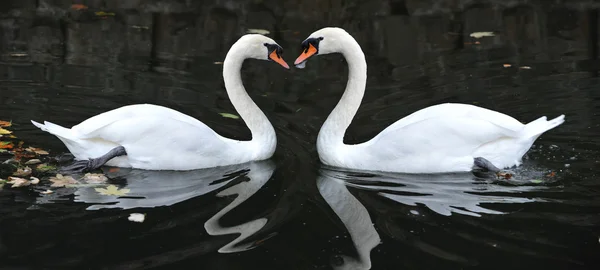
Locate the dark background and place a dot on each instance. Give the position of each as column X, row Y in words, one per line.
column 64, row 65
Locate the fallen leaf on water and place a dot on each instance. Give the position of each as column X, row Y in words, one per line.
column 45, row 168
column 47, row 192
column 34, row 180
column 4, row 131
column 5, row 123
column 78, row 6
column 218, row 63
column 18, row 182
column 525, row 67
column 6, row 145
column 95, row 178
column 104, row 14
column 258, row 31
column 33, row 161
column 137, row 217
column 36, row 150
column 22, row 172
column 60, row 181
column 229, row 115
column 481, row 34
column 535, row 181
column 18, row 54
column 112, row 191
column 507, row 65
column 552, row 174
column 505, row 175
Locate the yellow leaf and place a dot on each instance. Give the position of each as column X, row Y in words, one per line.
column 229, row 115
column 95, row 178
column 482, row 34
column 22, row 172
column 4, row 131
column 60, row 181
column 18, row 182
column 102, row 13
column 258, row 31
column 112, row 191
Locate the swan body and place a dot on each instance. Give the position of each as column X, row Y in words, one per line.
column 159, row 138
column 437, row 139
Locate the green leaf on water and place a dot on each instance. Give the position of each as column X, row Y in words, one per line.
column 229, row 115
column 45, row 168
column 536, row 181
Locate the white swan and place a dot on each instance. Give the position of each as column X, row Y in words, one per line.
column 129, row 136
column 441, row 138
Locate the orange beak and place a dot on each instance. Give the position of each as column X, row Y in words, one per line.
column 306, row 54
column 273, row 56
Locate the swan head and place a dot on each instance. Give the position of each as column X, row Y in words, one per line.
column 260, row 47
column 323, row 41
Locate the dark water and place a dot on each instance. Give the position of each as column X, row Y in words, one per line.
column 290, row 212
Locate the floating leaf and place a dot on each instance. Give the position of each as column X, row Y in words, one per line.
column 258, row 31
column 5, row 123
column 33, row 161
column 525, row 67
column 535, row 181
column 481, row 34
column 137, row 217
column 60, row 181
column 18, row 54
column 34, row 180
column 36, row 150
column 78, row 7
column 507, row 65
column 22, row 172
column 18, row 182
column 104, row 14
column 45, row 168
column 552, row 174
column 4, row 131
column 218, row 63
column 95, row 178
column 229, row 115
column 47, row 192
column 112, row 191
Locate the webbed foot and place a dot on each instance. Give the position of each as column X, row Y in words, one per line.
column 487, row 165
column 81, row 166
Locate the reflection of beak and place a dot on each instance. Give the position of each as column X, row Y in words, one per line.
column 306, row 54
column 273, row 56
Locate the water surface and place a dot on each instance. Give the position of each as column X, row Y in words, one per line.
column 290, row 212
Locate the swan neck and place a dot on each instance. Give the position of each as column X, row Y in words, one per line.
column 263, row 134
column 334, row 128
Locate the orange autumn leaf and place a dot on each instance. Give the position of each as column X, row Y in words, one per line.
column 5, row 124
column 6, row 145
column 552, row 174
column 78, row 6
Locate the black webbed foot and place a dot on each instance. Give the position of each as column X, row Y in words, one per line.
column 81, row 166
column 487, row 165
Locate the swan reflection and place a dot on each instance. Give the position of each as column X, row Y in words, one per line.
column 158, row 188
column 355, row 217
column 258, row 175
column 460, row 193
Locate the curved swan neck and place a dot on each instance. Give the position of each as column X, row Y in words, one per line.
column 261, row 129
column 334, row 128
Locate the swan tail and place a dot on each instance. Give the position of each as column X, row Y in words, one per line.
column 537, row 127
column 59, row 131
